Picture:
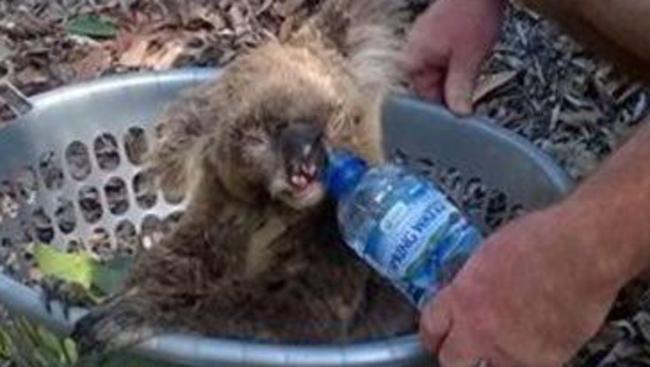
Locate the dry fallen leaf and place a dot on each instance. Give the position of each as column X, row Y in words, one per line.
column 5, row 51
column 166, row 57
column 492, row 83
column 289, row 7
column 93, row 64
column 580, row 118
column 136, row 53
column 31, row 75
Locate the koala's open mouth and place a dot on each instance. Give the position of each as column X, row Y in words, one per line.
column 301, row 177
column 305, row 159
column 304, row 171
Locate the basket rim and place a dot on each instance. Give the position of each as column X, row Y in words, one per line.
column 204, row 351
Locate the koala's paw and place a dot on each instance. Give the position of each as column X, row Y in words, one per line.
column 66, row 293
column 110, row 329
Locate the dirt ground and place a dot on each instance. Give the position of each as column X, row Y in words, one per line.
column 538, row 83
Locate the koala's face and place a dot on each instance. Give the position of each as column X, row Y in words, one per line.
column 276, row 155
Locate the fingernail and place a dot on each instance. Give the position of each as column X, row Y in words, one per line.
column 462, row 104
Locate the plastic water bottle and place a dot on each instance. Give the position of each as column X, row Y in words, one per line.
column 401, row 224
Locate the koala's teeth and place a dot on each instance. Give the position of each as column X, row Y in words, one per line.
column 299, row 181
column 309, row 170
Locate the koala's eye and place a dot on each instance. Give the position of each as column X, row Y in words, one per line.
column 281, row 126
column 255, row 139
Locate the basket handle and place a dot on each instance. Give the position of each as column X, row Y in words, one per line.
column 15, row 99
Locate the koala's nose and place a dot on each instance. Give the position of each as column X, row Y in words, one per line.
column 301, row 141
column 303, row 149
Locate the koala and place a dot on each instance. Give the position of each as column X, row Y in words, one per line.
column 257, row 253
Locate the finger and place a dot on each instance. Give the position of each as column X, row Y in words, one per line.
column 461, row 79
column 429, row 85
column 451, row 354
column 435, row 323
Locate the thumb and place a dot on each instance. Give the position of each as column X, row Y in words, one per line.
column 436, row 322
column 461, row 79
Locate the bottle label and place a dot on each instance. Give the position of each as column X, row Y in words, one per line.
column 395, row 216
column 417, row 240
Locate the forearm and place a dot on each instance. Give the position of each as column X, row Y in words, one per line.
column 610, row 212
column 618, row 29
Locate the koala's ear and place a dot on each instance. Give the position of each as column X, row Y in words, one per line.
column 176, row 159
column 365, row 32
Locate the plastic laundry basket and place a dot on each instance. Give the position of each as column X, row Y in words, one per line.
column 49, row 194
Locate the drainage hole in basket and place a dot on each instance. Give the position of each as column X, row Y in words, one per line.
column 26, row 262
column 423, row 166
column 65, row 215
column 144, row 190
column 99, row 243
column 106, row 152
column 25, row 232
column 7, row 189
column 426, row 162
column 89, row 204
column 9, row 206
column 452, row 181
column 117, row 196
column 77, row 160
column 398, row 156
column 170, row 221
column 74, row 246
column 473, row 197
column 173, row 198
column 497, row 209
column 135, row 145
column 151, row 230
column 42, row 224
column 50, row 170
column 6, row 250
column 28, row 257
column 26, row 185
column 126, row 237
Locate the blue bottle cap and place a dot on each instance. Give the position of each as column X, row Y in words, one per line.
column 344, row 171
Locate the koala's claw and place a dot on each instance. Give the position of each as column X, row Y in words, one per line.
column 67, row 294
column 87, row 334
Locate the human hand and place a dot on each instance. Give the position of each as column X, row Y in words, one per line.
column 532, row 295
column 446, row 47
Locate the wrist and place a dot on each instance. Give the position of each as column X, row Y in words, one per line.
column 613, row 252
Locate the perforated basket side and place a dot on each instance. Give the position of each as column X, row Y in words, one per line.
column 492, row 173
column 71, row 171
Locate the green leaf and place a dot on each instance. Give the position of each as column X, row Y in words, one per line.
column 77, row 268
column 69, row 349
column 5, row 349
column 28, row 345
column 91, row 26
column 51, row 345
column 82, row 269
